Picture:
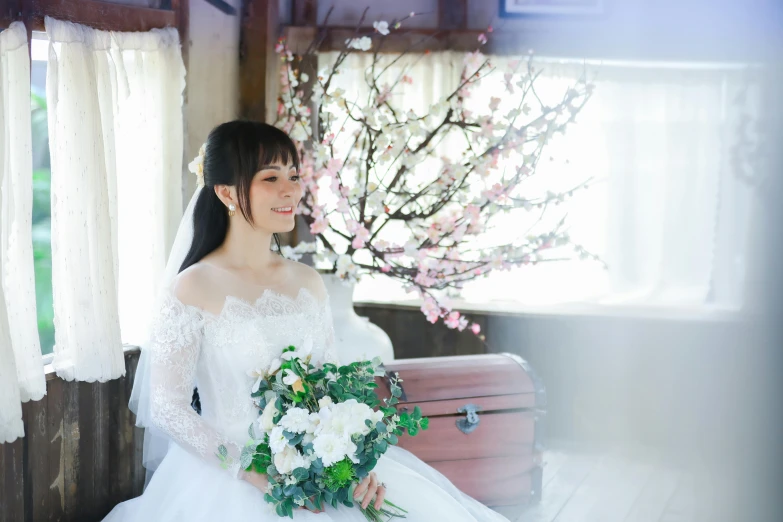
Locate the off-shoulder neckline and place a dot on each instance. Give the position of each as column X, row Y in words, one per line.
column 304, row 294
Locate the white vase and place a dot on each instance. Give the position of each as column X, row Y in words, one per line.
column 356, row 338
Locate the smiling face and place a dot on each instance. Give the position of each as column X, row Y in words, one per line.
column 274, row 195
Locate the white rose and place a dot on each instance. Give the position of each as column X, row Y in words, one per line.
column 266, row 420
column 325, row 402
column 289, row 459
column 308, row 438
column 277, row 441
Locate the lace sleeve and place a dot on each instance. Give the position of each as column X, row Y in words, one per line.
column 175, row 345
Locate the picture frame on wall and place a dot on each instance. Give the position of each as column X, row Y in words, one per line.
column 524, row 8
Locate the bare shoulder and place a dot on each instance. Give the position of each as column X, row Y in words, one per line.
column 307, row 277
column 194, row 285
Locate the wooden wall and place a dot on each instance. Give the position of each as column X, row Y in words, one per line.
column 81, row 454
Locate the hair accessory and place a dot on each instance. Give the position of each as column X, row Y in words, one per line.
column 197, row 166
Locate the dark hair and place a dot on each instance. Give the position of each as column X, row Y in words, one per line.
column 234, row 153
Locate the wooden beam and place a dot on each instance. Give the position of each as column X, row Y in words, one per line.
column 181, row 9
column 100, row 15
column 304, row 12
column 258, row 72
column 412, row 40
column 453, row 14
column 10, row 11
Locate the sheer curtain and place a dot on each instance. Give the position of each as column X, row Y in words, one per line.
column 115, row 127
column 656, row 140
column 21, row 366
column 663, row 208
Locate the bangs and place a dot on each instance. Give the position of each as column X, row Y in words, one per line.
column 277, row 147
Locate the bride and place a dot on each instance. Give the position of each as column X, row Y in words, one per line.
column 229, row 305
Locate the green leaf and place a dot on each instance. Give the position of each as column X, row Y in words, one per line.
column 223, row 451
column 381, row 427
column 416, row 413
column 271, row 470
column 393, row 439
column 246, row 457
column 413, row 431
column 280, row 509
column 300, row 473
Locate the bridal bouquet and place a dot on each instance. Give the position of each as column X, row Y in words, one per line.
column 318, row 433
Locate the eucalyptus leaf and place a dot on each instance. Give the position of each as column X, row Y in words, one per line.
column 300, row 473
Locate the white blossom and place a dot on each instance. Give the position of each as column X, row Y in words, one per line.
column 381, row 26
column 362, row 44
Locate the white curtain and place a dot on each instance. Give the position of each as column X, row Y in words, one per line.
column 656, row 141
column 21, row 366
column 115, row 127
column 664, row 209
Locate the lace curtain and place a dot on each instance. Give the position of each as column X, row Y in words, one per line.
column 21, row 366
column 115, row 127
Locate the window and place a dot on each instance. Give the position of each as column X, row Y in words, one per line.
column 664, row 208
column 42, row 244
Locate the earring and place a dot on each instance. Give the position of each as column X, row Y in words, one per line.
column 232, row 209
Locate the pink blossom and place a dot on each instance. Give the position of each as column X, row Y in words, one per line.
column 475, row 328
column 407, row 79
column 452, row 320
column 494, row 102
column 431, row 309
column 362, row 234
column 385, row 268
column 482, row 38
column 352, row 225
column 333, row 166
column 319, row 226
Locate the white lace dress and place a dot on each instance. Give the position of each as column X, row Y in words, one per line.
column 218, row 354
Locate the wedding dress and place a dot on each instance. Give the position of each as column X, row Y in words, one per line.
column 218, row 353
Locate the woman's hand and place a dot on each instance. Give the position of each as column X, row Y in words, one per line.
column 367, row 489
column 261, row 482
column 257, row 480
